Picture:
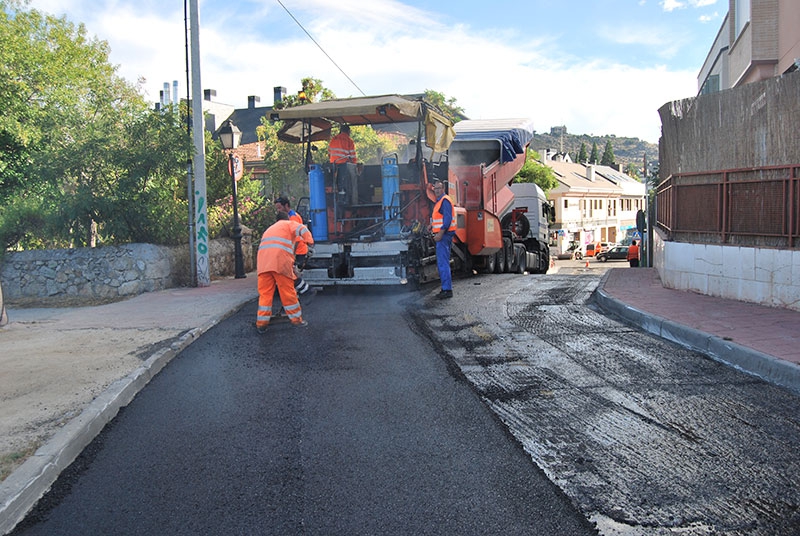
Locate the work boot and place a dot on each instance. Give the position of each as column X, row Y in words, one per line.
column 300, row 324
column 445, row 294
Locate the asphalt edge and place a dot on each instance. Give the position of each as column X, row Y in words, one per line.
column 23, row 488
column 747, row 360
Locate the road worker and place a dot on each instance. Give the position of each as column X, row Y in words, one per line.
column 304, row 291
column 275, row 267
column 443, row 227
column 342, row 154
column 633, row 254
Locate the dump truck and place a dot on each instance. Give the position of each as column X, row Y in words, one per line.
column 371, row 221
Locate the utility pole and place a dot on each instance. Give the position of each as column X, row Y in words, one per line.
column 200, row 215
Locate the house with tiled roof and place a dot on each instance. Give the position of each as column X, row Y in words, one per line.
column 592, row 203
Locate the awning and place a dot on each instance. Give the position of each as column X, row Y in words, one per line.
column 315, row 120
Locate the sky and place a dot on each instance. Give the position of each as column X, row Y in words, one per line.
column 599, row 67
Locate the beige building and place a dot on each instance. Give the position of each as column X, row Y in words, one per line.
column 592, row 203
column 758, row 39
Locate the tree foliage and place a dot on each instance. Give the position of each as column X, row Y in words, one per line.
column 582, row 156
column 82, row 159
column 594, row 157
column 608, row 155
column 534, row 171
column 448, row 105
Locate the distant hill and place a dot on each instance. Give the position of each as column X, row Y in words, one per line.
column 626, row 150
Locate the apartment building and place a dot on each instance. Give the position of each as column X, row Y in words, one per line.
column 758, row 39
column 592, row 203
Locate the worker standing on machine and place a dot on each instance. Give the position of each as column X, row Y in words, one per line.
column 443, row 226
column 342, row 153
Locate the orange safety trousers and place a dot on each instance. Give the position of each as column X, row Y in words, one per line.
column 267, row 281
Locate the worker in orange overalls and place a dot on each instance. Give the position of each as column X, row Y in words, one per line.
column 342, row 154
column 301, row 251
column 275, row 265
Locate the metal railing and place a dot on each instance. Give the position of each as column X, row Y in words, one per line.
column 751, row 206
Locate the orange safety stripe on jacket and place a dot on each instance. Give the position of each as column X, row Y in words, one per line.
column 437, row 218
column 341, row 149
column 276, row 250
column 302, row 248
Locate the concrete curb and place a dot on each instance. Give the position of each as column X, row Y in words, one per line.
column 746, row 359
column 29, row 482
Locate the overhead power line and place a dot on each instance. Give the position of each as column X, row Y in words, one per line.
column 320, row 47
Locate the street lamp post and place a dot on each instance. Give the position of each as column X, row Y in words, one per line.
column 230, row 136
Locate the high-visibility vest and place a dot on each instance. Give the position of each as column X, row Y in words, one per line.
column 633, row 252
column 302, row 248
column 341, row 150
column 276, row 250
column 437, row 218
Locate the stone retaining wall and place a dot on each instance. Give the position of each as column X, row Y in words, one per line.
column 84, row 276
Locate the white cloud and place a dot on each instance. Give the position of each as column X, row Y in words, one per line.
column 671, row 5
column 709, row 18
column 383, row 47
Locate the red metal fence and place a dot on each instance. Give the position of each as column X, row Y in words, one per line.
column 753, row 206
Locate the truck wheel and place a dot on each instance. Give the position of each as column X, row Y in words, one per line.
column 489, row 264
column 500, row 262
column 522, row 261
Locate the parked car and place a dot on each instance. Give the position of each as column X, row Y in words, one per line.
column 616, row 253
column 593, row 249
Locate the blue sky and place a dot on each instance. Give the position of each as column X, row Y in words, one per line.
column 597, row 66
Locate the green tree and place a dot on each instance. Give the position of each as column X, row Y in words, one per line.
column 534, row 171
column 74, row 137
column 445, row 104
column 582, row 156
column 608, row 155
column 632, row 170
column 593, row 158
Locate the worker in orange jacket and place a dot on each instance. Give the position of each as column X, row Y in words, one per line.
column 633, row 254
column 342, row 154
column 275, row 267
column 341, row 148
column 301, row 251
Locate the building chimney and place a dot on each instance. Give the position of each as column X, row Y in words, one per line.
column 209, row 93
column 278, row 94
column 590, row 173
column 252, row 100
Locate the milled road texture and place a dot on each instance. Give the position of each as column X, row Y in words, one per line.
column 645, row 436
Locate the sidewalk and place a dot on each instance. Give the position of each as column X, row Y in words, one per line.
column 65, row 373
column 764, row 341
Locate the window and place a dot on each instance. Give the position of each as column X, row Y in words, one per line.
column 711, row 85
column 741, row 15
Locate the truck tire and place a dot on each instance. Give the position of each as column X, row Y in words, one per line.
column 509, row 253
column 522, row 227
column 522, row 261
column 489, row 264
column 500, row 262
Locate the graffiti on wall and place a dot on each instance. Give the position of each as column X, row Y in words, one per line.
column 203, row 274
